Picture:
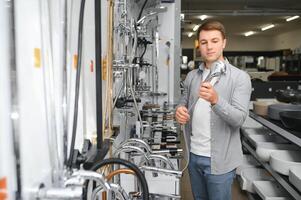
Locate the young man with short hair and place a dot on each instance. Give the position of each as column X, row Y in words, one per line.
column 213, row 111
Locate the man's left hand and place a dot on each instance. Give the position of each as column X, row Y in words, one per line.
column 208, row 93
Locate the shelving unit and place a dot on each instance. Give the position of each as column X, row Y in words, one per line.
column 253, row 196
column 289, row 135
column 292, row 63
column 282, row 180
column 278, row 128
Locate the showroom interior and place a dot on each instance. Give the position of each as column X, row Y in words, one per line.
column 90, row 91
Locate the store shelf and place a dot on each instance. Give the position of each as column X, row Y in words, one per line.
column 282, row 180
column 292, row 136
column 253, row 196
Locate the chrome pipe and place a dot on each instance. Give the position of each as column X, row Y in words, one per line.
column 176, row 173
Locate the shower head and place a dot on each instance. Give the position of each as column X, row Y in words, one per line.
column 218, row 68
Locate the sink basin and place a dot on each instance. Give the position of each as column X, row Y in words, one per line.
column 295, row 177
column 271, row 190
column 264, row 149
column 261, row 107
column 247, row 162
column 256, row 139
column 283, row 161
column 275, row 109
column 249, row 175
column 291, row 120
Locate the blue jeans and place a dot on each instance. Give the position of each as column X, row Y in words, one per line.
column 207, row 186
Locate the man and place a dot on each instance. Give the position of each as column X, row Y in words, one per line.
column 213, row 112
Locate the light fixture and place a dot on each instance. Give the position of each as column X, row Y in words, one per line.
column 267, row 27
column 190, row 34
column 249, row 33
column 14, row 115
column 292, row 18
column 182, row 16
column 203, row 17
column 196, row 27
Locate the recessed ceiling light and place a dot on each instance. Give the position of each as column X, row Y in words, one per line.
column 267, row 27
column 196, row 27
column 292, row 18
column 249, row 33
column 203, row 17
column 190, row 34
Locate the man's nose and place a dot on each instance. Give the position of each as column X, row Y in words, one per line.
column 209, row 45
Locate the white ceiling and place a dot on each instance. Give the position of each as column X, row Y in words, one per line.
column 240, row 16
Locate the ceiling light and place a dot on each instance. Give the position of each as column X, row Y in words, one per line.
column 249, row 33
column 182, row 16
column 267, row 27
column 196, row 27
column 203, row 17
column 190, row 34
column 14, row 115
column 292, row 18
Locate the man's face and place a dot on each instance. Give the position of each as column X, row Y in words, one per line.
column 211, row 45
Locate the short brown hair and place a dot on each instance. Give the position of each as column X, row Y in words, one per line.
column 212, row 25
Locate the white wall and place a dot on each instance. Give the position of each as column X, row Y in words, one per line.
column 290, row 40
column 256, row 43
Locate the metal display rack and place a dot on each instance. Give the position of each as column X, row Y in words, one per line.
column 291, row 136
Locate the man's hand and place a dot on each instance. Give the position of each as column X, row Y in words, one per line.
column 182, row 115
column 208, row 93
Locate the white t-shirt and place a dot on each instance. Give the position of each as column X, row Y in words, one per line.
column 201, row 135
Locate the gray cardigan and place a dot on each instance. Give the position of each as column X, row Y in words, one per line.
column 227, row 115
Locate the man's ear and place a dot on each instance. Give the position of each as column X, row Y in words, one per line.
column 225, row 42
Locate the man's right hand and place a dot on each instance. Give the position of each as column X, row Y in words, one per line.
column 182, row 115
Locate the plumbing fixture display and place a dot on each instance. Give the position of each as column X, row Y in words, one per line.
column 89, row 94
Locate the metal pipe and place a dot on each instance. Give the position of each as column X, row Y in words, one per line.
column 60, row 193
column 119, row 191
column 176, row 173
column 64, row 90
column 137, row 141
column 88, row 175
column 167, row 151
column 137, row 109
column 14, row 95
column 96, row 191
column 118, row 94
column 162, row 196
column 157, row 157
column 119, row 171
column 128, row 149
